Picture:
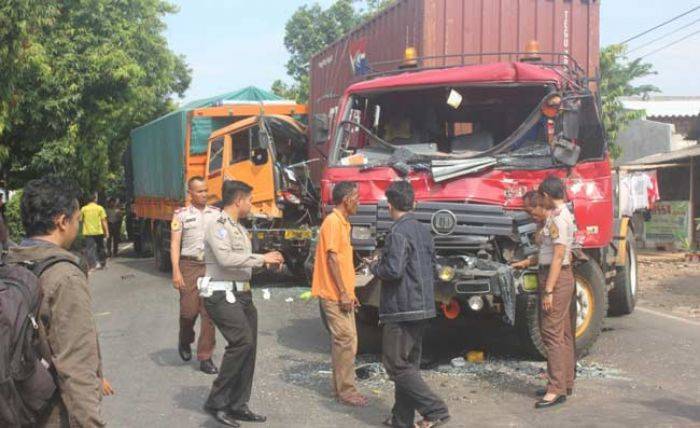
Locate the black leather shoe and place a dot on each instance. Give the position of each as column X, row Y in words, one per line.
column 185, row 352
column 224, row 418
column 247, row 416
column 543, row 404
column 208, row 367
column 543, row 391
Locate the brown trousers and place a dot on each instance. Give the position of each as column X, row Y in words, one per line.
column 191, row 307
column 343, row 348
column 557, row 328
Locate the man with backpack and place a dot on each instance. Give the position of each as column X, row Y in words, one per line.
column 66, row 332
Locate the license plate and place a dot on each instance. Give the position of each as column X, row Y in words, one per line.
column 297, row 234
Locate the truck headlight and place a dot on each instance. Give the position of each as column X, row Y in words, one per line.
column 530, row 282
column 361, row 233
column 446, row 273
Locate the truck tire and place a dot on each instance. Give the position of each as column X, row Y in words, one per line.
column 591, row 303
column 369, row 334
column 141, row 239
column 623, row 296
column 160, row 254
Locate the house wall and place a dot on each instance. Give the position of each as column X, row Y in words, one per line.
column 642, row 138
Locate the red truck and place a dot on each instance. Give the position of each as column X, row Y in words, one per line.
column 474, row 124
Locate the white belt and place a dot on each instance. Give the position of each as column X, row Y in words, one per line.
column 207, row 287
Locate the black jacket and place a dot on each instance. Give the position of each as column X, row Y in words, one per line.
column 406, row 268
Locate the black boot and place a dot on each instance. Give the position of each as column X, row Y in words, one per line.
column 185, row 352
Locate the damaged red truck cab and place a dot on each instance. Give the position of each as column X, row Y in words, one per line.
column 472, row 140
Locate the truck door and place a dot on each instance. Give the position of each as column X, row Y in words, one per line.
column 215, row 158
column 250, row 159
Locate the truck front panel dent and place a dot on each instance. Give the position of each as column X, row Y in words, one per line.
column 589, row 189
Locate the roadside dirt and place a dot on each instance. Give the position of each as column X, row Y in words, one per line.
column 669, row 283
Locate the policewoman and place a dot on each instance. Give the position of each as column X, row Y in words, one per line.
column 556, row 287
column 227, row 297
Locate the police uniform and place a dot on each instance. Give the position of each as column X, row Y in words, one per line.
column 191, row 221
column 228, row 299
column 558, row 326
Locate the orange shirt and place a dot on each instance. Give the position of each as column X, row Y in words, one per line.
column 334, row 236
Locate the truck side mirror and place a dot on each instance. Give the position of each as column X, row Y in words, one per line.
column 570, row 120
column 320, row 128
column 263, row 140
column 259, row 156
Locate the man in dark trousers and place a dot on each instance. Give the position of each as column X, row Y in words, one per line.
column 228, row 300
column 407, row 303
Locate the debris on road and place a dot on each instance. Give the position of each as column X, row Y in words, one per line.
column 266, row 293
column 458, row 362
column 289, row 300
column 371, row 374
column 475, row 356
column 306, row 295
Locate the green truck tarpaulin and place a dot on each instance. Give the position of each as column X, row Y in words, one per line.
column 158, row 148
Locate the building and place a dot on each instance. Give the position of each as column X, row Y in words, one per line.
column 669, row 123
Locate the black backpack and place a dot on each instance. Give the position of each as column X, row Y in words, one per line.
column 26, row 382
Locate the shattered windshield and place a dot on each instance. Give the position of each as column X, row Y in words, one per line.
column 441, row 123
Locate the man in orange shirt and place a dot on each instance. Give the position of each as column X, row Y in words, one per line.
column 334, row 284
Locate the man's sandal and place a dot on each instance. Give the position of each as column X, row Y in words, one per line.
column 356, row 400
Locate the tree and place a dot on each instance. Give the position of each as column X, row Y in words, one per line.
column 312, row 28
column 617, row 75
column 98, row 69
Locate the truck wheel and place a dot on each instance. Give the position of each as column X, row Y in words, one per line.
column 369, row 334
column 161, row 256
column 591, row 307
column 623, row 296
column 141, row 240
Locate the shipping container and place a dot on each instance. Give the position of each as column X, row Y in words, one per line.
column 451, row 33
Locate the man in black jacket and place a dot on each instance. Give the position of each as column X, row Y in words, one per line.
column 407, row 303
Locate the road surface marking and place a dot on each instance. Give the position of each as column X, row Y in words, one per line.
column 671, row 317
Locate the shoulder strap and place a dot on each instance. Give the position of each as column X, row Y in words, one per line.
column 39, row 267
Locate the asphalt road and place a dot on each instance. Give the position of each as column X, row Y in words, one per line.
column 650, row 370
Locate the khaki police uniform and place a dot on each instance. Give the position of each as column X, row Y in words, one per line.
column 228, row 299
column 558, row 326
column 191, row 221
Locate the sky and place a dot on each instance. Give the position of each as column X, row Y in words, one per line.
column 230, row 44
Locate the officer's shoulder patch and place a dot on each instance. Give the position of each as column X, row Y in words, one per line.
column 553, row 230
column 175, row 225
column 221, row 233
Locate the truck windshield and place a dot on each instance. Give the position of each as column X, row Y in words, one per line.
column 442, row 122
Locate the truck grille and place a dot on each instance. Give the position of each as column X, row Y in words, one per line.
column 474, row 226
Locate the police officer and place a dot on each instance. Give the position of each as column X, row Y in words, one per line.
column 228, row 299
column 187, row 257
column 557, row 285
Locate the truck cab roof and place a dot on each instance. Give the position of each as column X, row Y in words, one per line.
column 500, row 72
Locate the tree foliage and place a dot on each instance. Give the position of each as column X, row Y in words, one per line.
column 617, row 77
column 78, row 75
column 312, row 28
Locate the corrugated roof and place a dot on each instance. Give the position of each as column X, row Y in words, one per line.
column 666, row 157
column 664, row 106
